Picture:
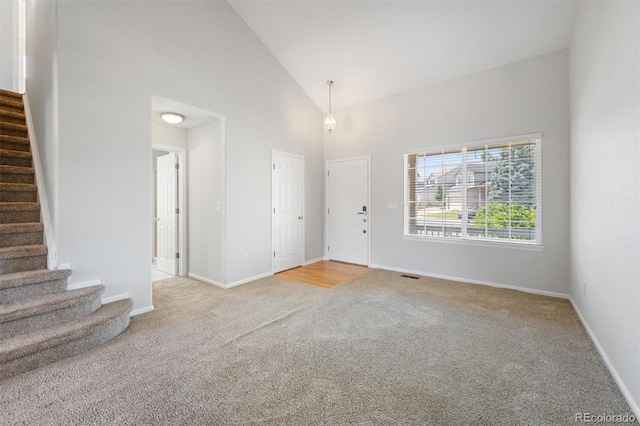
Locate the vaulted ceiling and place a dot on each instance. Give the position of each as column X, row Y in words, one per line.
column 373, row 49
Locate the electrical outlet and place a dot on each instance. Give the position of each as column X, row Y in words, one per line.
column 395, row 250
column 584, row 287
column 246, row 257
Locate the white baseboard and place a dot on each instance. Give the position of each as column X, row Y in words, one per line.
column 248, row 280
column 141, row 311
column 206, row 280
column 115, row 298
column 468, row 281
column 233, row 284
column 83, row 284
column 310, row 261
column 623, row 388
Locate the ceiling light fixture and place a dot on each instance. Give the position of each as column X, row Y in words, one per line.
column 330, row 122
column 172, row 117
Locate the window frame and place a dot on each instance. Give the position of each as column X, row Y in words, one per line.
column 536, row 244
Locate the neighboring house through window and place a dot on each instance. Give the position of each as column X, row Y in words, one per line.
column 500, row 196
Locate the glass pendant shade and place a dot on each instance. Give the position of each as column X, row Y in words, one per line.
column 330, row 123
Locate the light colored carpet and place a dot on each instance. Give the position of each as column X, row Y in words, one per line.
column 380, row 349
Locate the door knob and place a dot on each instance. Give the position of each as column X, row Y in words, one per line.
column 299, row 217
column 364, row 231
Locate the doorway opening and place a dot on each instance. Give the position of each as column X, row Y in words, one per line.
column 168, row 205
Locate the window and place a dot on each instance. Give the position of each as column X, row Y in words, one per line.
column 500, row 200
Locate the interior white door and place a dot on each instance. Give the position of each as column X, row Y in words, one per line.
column 348, row 210
column 167, row 219
column 287, row 184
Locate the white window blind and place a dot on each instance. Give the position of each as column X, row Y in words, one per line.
column 489, row 191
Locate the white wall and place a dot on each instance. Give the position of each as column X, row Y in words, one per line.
column 521, row 98
column 206, row 180
column 605, row 199
column 112, row 57
column 42, row 88
column 9, row 45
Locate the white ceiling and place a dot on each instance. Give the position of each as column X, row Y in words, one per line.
column 373, row 49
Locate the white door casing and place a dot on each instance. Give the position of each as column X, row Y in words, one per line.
column 167, row 219
column 287, row 198
column 348, row 210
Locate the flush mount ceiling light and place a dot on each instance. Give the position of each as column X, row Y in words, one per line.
column 172, row 117
column 330, row 122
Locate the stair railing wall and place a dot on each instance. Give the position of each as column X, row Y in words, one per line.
column 49, row 235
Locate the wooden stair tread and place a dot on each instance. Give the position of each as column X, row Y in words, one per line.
column 26, row 344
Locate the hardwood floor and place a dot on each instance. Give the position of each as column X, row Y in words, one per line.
column 326, row 274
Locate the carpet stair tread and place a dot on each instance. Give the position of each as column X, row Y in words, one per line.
column 17, row 170
column 23, row 251
column 15, row 228
column 18, row 279
column 13, row 126
column 47, row 303
column 12, row 115
column 14, row 139
column 11, row 103
column 13, row 153
column 19, row 207
column 10, row 94
column 31, row 343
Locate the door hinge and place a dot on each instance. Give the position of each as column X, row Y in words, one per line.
column 328, row 211
column 274, row 209
column 274, row 254
column 328, row 248
column 177, row 255
column 274, row 166
column 327, row 173
column 177, row 166
column 177, row 210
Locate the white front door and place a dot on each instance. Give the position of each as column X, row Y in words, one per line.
column 348, row 210
column 287, row 184
column 166, row 222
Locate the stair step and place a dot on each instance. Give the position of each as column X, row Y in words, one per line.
column 10, row 94
column 15, row 174
column 13, row 129
column 12, row 116
column 21, row 234
column 37, row 313
column 15, row 158
column 28, row 351
column 23, row 258
column 14, row 143
column 11, row 104
column 18, row 193
column 19, row 285
column 19, row 212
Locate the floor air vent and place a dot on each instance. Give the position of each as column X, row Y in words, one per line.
column 413, row 277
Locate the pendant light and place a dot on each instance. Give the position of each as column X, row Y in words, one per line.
column 330, row 122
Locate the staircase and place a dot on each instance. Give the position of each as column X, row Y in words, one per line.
column 40, row 320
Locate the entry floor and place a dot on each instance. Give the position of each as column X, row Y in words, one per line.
column 326, row 274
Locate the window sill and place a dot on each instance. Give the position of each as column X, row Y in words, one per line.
column 480, row 243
